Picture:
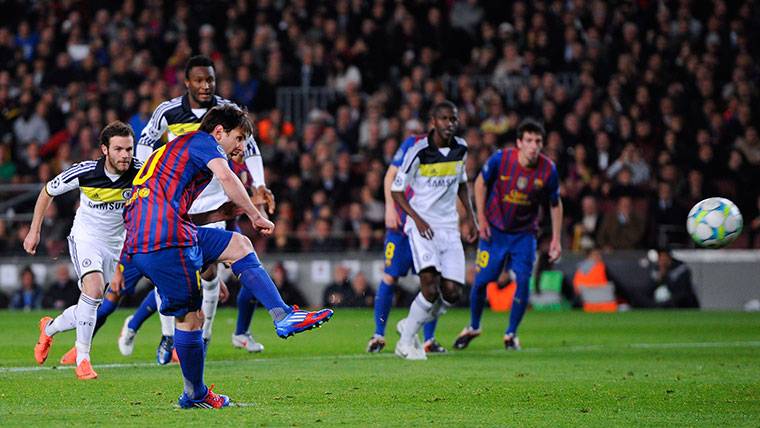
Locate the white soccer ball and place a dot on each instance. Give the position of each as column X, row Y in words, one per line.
column 714, row 223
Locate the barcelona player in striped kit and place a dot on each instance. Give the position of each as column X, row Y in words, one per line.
column 512, row 186
column 165, row 246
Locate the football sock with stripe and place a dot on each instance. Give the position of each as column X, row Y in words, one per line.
column 420, row 312
column 383, row 303
column 86, row 313
column 520, row 302
column 246, row 303
column 210, row 302
column 144, row 311
column 190, row 350
column 253, row 276
column 104, row 310
column 477, row 302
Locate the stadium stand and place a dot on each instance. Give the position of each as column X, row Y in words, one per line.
column 657, row 101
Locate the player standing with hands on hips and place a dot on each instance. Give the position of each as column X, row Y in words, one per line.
column 512, row 186
column 434, row 170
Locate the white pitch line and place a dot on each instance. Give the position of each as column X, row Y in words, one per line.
column 579, row 348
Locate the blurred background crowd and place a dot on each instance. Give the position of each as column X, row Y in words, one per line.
column 650, row 106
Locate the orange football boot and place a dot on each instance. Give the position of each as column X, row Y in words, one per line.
column 44, row 343
column 84, row 371
column 69, row 358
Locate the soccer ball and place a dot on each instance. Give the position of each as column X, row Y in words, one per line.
column 714, row 223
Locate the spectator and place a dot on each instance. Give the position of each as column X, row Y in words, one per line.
column 622, row 229
column 323, row 240
column 671, row 285
column 28, row 296
column 339, row 292
column 666, row 216
column 584, row 231
column 287, row 289
column 362, row 296
column 62, row 292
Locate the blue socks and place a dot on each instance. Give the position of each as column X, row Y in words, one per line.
column 253, row 277
column 428, row 330
column 191, row 353
column 104, row 310
column 477, row 302
column 383, row 303
column 520, row 302
column 246, row 303
column 146, row 309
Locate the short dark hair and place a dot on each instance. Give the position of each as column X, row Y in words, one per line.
column 115, row 129
column 532, row 126
column 440, row 106
column 229, row 116
column 198, row 61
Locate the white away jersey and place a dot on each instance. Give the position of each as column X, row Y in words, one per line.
column 175, row 117
column 99, row 216
column 434, row 175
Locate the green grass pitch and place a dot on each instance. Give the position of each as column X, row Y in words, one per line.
column 635, row 368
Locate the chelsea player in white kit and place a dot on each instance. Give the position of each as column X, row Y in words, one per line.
column 96, row 239
column 434, row 170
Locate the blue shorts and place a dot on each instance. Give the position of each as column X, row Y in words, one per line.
column 131, row 277
column 516, row 251
column 398, row 254
column 176, row 271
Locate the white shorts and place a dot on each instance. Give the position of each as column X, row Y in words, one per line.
column 444, row 252
column 91, row 256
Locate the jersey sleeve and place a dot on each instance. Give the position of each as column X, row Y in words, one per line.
column 408, row 168
column 254, row 162
column 398, row 157
column 66, row 181
column 152, row 133
column 203, row 149
column 491, row 167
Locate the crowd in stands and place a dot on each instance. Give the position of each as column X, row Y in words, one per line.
column 650, row 106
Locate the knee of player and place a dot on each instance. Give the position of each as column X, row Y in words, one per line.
column 389, row 280
column 241, row 244
column 450, row 291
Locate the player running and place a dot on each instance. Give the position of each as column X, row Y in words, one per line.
column 434, row 170
column 165, row 246
column 398, row 261
column 508, row 193
column 96, row 238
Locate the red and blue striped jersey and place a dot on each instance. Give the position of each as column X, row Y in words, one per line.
column 170, row 180
column 515, row 193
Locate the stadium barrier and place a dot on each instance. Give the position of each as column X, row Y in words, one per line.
column 723, row 279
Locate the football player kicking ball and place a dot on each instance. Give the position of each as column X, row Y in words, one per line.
column 165, row 246
column 434, row 170
column 508, row 193
column 97, row 236
column 398, row 261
